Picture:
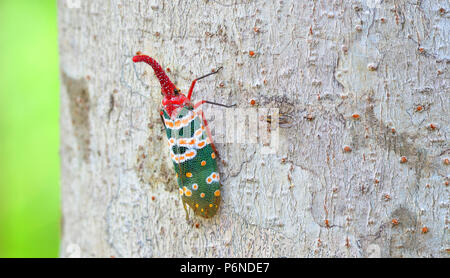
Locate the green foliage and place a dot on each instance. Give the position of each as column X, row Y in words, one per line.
column 29, row 106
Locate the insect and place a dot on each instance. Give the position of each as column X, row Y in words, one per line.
column 191, row 147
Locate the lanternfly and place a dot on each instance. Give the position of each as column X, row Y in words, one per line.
column 191, row 148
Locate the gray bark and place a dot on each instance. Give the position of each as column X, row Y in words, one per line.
column 320, row 63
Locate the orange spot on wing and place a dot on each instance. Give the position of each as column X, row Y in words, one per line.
column 182, row 142
column 203, row 163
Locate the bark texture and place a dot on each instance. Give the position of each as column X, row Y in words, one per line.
column 359, row 84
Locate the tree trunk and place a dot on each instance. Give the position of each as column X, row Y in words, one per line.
column 361, row 164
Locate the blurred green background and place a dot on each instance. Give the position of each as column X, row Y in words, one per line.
column 29, row 138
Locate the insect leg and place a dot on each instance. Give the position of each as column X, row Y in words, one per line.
column 186, row 210
column 213, row 103
column 162, row 120
column 208, row 131
column 206, row 123
column 191, row 89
